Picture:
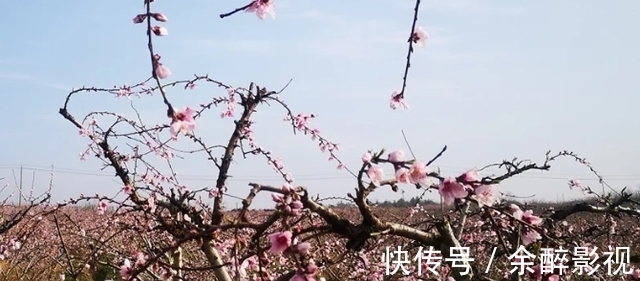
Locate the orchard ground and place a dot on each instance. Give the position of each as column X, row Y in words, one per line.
column 81, row 238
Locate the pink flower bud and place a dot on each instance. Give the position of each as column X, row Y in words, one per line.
column 139, row 18
column 366, row 158
column 277, row 198
column 159, row 30
column 162, row 71
column 296, row 205
column 159, row 17
column 396, row 156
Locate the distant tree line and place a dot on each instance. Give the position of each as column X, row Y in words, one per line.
column 412, row 202
column 402, row 202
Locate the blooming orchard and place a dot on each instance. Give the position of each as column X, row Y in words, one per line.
column 164, row 230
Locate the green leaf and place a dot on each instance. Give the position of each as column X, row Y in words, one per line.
column 536, row 249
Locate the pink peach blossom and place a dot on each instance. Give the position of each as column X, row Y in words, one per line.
column 529, row 236
column 450, row 189
column 531, row 219
column 376, row 174
column 102, row 207
column 418, row 173
column 125, row 269
column 419, row 37
column 214, row 192
column 262, row 8
column 515, row 210
column 402, row 175
column 397, row 101
column 469, row 177
column 182, row 121
column 280, row 241
column 485, row 194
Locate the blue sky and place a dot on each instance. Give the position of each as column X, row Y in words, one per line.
column 497, row 79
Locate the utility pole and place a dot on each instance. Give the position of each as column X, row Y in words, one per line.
column 20, row 189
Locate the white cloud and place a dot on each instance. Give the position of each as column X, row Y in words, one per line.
column 13, row 76
column 57, row 86
column 31, row 80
